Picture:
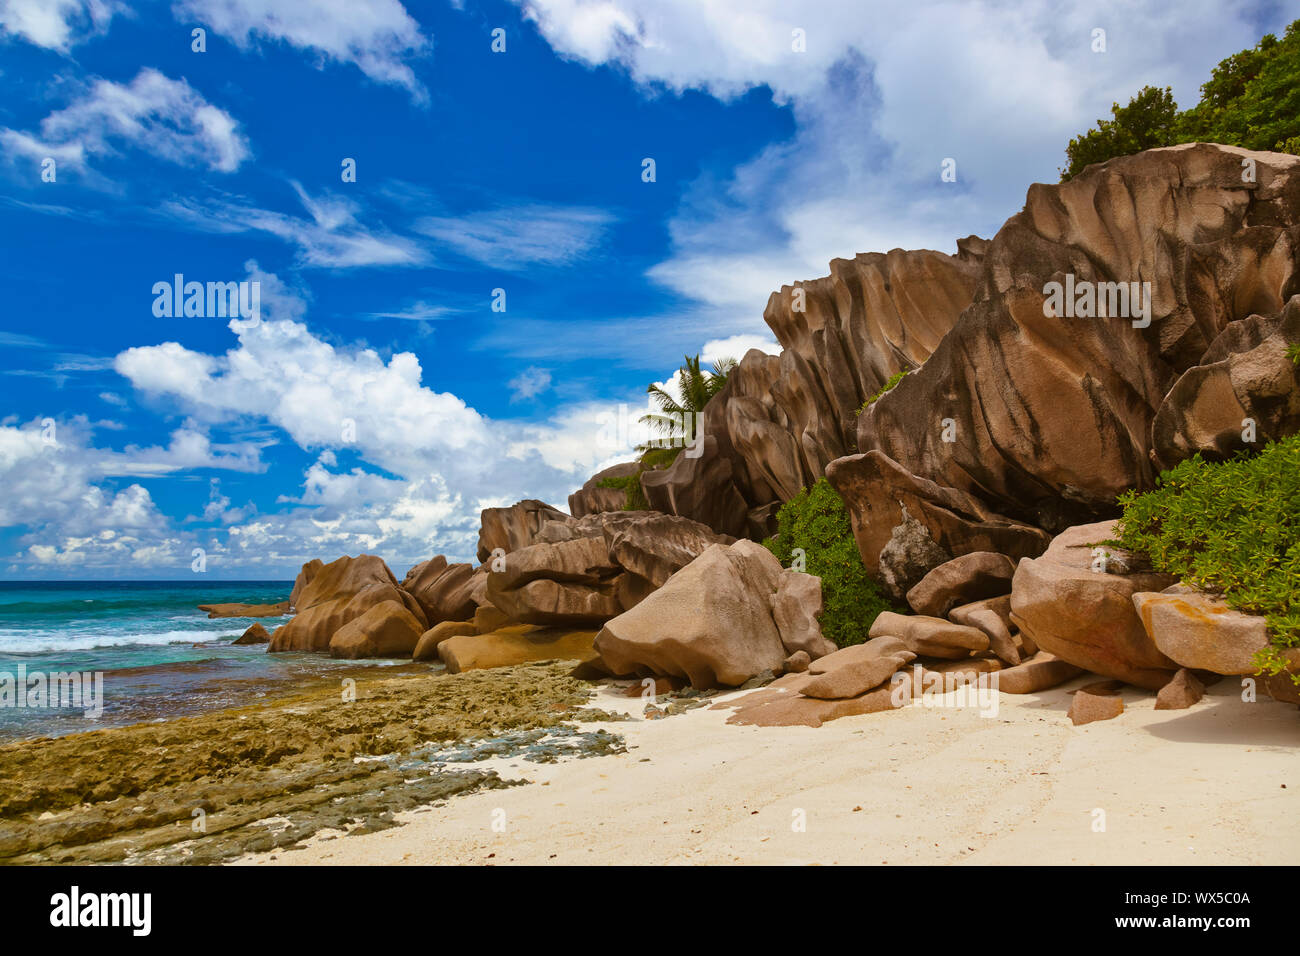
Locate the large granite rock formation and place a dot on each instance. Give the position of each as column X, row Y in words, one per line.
column 781, row 419
column 330, row 596
column 1047, row 419
column 445, row 591
column 583, row 571
column 514, row 527
column 715, row 621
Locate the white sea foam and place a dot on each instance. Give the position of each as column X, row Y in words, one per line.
column 38, row 641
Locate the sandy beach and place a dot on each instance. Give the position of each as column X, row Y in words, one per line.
column 1213, row 784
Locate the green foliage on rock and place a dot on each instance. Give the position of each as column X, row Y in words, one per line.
column 817, row 521
column 1231, row 527
column 1252, row 99
column 1293, row 353
column 631, row 485
column 893, row 380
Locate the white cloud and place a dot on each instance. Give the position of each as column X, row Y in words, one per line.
column 166, row 117
column 529, row 383
column 331, row 236
column 378, row 36
column 880, row 97
column 735, row 347
column 56, row 24
column 520, row 237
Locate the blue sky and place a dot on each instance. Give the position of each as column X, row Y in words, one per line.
column 379, row 401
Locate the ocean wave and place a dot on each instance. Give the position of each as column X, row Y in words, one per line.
column 39, row 642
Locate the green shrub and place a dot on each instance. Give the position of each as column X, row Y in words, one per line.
column 1251, row 99
column 893, row 380
column 817, row 521
column 1293, row 353
column 1231, row 527
column 635, row 499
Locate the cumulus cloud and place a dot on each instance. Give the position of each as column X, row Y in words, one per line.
column 881, row 94
column 420, row 463
column 56, row 24
column 166, row 117
column 377, row 36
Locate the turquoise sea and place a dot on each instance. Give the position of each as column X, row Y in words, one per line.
column 160, row 656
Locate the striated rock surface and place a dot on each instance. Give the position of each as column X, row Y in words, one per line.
column 585, row 571
column 517, row 644
column 514, row 527
column 797, row 610
column 1244, row 376
column 444, row 591
column 653, row 545
column 855, row 670
column 781, row 419
column 1050, row 418
column 930, row 636
column 971, row 577
column 335, row 594
column 906, row 526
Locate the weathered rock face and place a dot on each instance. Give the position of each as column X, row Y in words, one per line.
column 308, row 571
column 1245, row 375
column 1181, row 692
column 1086, row 617
column 515, row 645
column 993, row 617
column 797, row 610
column 1199, row 631
column 930, row 636
column 514, row 527
column 906, row 526
column 971, row 577
column 656, row 545
column 855, row 670
column 256, row 634
column 585, row 571
column 1095, row 702
column 1050, row 418
column 781, row 419
column 444, row 591
column 1038, row 673
column 335, row 594
column 592, row 499
column 572, row 582
column 386, row 630
column 712, row 622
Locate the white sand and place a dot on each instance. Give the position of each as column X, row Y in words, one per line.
column 1219, row 783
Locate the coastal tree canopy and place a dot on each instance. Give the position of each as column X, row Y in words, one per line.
column 1252, row 100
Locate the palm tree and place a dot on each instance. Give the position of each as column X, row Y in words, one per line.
column 676, row 422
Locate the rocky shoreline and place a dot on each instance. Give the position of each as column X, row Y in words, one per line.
column 978, row 441
column 979, row 446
